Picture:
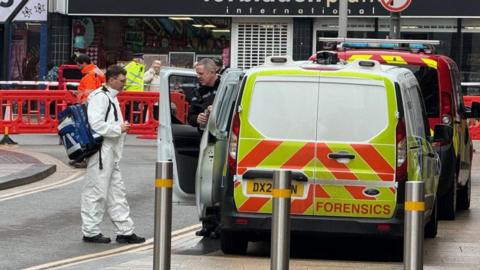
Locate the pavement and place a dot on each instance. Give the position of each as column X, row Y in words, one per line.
column 20, row 168
column 452, row 249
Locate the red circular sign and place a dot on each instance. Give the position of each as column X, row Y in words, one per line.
column 395, row 5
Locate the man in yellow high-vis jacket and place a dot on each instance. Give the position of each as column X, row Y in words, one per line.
column 135, row 71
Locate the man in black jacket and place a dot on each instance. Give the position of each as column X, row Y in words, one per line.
column 200, row 108
column 200, row 104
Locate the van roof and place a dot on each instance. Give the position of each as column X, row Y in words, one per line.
column 357, row 66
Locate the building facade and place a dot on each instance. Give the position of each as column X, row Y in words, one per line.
column 243, row 32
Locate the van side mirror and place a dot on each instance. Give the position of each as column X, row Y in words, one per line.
column 442, row 134
column 474, row 111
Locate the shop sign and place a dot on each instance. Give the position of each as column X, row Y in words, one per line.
column 263, row 8
column 34, row 10
column 6, row 8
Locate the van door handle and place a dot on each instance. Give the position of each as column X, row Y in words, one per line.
column 341, row 154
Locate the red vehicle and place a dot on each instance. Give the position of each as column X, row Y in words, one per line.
column 439, row 79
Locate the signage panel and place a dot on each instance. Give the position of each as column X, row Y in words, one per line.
column 278, row 8
column 6, row 8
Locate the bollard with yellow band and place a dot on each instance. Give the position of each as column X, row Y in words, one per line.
column 163, row 215
column 280, row 243
column 413, row 232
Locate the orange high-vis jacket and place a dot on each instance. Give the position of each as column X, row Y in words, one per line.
column 92, row 79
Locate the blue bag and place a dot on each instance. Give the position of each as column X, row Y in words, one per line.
column 79, row 139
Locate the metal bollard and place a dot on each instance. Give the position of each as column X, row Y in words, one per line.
column 413, row 232
column 163, row 215
column 280, row 242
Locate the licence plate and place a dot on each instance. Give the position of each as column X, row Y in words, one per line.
column 265, row 187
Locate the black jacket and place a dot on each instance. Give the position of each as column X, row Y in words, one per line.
column 202, row 98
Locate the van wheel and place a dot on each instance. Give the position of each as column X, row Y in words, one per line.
column 432, row 226
column 232, row 242
column 448, row 202
column 463, row 197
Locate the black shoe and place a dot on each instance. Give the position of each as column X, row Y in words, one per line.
column 129, row 239
column 203, row 232
column 99, row 238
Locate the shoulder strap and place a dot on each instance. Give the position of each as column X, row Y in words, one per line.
column 110, row 104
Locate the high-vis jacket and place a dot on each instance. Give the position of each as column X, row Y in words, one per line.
column 92, row 79
column 104, row 189
column 135, row 72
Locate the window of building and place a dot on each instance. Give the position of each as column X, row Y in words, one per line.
column 177, row 41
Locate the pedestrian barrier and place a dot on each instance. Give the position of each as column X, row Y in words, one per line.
column 473, row 124
column 163, row 215
column 280, row 239
column 34, row 111
column 413, row 230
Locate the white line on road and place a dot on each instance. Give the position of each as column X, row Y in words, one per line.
column 176, row 235
column 72, row 179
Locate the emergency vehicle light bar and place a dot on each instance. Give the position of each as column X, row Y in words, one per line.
column 427, row 46
column 380, row 41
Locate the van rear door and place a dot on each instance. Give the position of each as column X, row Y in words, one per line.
column 355, row 147
column 277, row 131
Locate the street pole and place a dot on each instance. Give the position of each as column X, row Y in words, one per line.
column 280, row 240
column 163, row 215
column 413, row 231
column 342, row 18
column 395, row 26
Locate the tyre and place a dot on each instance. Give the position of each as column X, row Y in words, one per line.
column 432, row 226
column 448, row 203
column 464, row 194
column 232, row 242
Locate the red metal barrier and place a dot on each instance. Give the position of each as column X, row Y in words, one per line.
column 473, row 124
column 35, row 111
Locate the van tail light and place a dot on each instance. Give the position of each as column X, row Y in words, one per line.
column 233, row 144
column 401, row 135
column 446, row 108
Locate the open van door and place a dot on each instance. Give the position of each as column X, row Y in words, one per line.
column 213, row 146
column 178, row 142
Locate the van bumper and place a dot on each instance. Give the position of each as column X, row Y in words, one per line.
column 258, row 224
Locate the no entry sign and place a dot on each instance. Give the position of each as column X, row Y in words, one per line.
column 395, row 5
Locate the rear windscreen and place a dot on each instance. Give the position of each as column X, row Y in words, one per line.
column 428, row 80
column 313, row 111
column 351, row 112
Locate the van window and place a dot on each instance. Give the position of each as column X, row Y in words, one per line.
column 351, row 112
column 428, row 80
column 284, row 110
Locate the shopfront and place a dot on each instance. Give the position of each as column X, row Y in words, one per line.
column 176, row 41
column 244, row 32
column 26, row 42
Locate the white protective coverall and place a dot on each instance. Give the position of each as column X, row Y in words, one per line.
column 105, row 188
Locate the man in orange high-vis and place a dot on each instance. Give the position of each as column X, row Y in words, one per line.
column 92, row 78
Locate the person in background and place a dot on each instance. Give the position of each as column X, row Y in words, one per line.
column 92, row 78
column 104, row 189
column 152, row 77
column 52, row 74
column 198, row 114
column 135, row 71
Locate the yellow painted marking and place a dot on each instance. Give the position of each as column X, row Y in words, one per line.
column 281, row 193
column 415, row 206
column 166, row 183
column 360, row 57
column 394, row 59
column 431, row 63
